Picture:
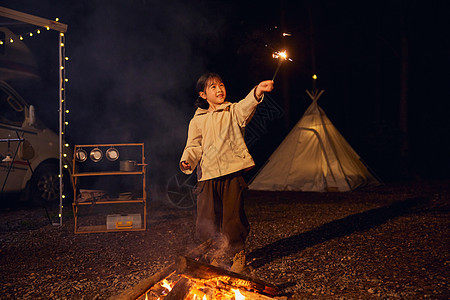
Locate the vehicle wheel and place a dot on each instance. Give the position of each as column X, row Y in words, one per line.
column 179, row 191
column 45, row 184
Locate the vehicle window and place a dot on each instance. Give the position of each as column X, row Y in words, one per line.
column 11, row 110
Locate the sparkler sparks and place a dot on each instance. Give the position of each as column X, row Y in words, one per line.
column 281, row 56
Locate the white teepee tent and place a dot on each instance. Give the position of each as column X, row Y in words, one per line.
column 313, row 157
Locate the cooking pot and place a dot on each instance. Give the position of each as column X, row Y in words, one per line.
column 128, row 165
column 112, row 154
column 96, row 155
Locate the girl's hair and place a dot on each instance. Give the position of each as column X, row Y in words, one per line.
column 201, row 86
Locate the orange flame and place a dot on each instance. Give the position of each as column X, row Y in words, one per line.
column 166, row 284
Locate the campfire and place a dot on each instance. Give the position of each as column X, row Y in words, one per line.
column 191, row 279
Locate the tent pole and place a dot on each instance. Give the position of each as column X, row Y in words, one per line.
column 61, row 84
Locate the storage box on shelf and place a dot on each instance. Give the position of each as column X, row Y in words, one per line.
column 114, row 167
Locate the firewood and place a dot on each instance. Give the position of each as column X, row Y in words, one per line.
column 143, row 286
column 180, row 290
column 221, row 291
column 197, row 270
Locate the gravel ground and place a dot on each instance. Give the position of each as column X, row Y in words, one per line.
column 390, row 242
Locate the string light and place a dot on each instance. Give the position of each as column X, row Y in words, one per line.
column 30, row 34
column 63, row 81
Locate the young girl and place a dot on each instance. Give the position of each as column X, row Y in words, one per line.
column 216, row 147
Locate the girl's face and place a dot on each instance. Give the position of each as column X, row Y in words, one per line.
column 214, row 92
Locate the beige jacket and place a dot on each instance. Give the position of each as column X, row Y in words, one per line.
column 215, row 143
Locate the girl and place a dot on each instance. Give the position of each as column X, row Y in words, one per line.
column 216, row 147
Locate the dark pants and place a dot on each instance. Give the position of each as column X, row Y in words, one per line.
column 220, row 211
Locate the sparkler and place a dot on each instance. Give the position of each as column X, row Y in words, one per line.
column 281, row 56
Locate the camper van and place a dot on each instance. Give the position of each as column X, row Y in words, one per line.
column 29, row 150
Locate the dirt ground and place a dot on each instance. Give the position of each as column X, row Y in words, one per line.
column 390, row 242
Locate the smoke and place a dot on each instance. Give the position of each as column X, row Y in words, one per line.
column 132, row 71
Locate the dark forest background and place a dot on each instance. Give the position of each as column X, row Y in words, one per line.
column 133, row 67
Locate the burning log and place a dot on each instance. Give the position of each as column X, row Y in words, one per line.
column 140, row 289
column 180, row 290
column 144, row 285
column 189, row 279
column 196, row 270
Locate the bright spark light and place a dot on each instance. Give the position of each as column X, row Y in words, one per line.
column 165, row 284
column 238, row 295
column 281, row 56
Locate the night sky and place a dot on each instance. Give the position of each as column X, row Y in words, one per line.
column 133, row 66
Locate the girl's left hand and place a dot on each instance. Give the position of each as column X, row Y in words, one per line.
column 264, row 86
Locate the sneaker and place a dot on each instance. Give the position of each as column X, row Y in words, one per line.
column 238, row 262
